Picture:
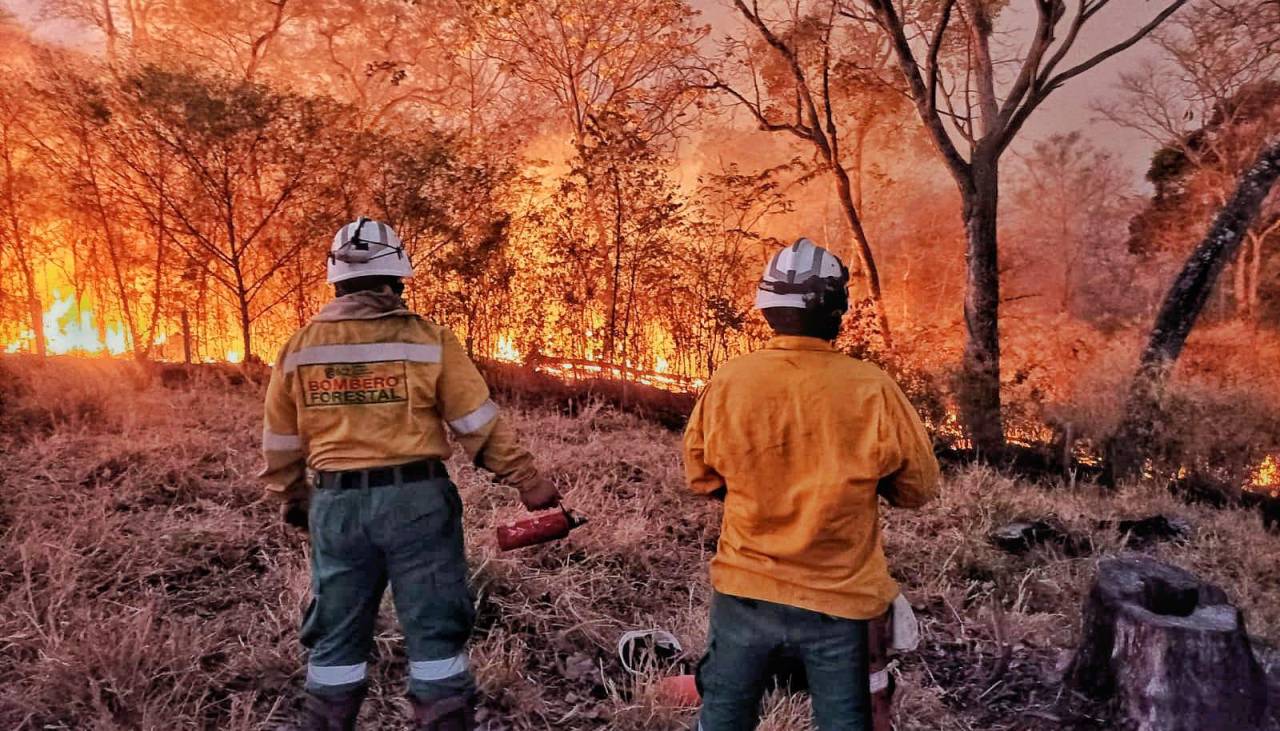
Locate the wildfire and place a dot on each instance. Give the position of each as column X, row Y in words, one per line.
column 70, row 330
column 506, row 350
column 73, row 326
column 1267, row 476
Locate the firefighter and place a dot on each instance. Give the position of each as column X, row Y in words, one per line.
column 799, row 440
column 362, row 395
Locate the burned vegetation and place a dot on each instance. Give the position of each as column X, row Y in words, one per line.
column 146, row 585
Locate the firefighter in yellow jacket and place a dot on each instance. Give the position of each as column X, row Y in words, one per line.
column 362, row 396
column 800, row 441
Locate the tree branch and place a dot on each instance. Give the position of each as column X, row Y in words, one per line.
column 888, row 19
column 1124, row 45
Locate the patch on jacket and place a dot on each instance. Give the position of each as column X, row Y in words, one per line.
column 354, row 384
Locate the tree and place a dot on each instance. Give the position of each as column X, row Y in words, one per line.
column 450, row 203
column 74, row 123
column 20, row 193
column 587, row 66
column 972, row 113
column 613, row 277
column 797, row 97
column 119, row 21
column 1207, row 104
column 388, row 59
column 237, row 38
column 234, row 37
column 589, row 57
column 1072, row 202
column 720, row 262
column 1182, row 306
column 256, row 169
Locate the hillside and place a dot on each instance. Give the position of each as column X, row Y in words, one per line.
column 145, row 584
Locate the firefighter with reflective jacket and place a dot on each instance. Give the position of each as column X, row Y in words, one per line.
column 362, row 396
column 800, row 441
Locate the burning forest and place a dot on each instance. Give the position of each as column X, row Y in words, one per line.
column 522, row 243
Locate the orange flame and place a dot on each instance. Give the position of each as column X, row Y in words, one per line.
column 69, row 329
column 505, row 351
column 1267, row 476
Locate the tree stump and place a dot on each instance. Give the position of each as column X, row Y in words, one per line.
column 1168, row 650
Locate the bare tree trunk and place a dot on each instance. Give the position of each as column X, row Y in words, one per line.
column 990, row 125
column 113, row 245
column 110, row 31
column 35, row 308
column 1181, row 308
column 626, row 318
column 242, row 301
column 1255, row 277
column 245, row 322
column 980, row 390
column 1240, row 285
column 469, row 314
column 299, row 292
column 157, row 293
column 611, row 336
column 186, row 338
column 862, row 250
column 1070, row 257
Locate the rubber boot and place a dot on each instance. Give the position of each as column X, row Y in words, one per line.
column 451, row 713
column 332, row 712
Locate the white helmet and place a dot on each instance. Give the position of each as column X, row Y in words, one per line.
column 800, row 276
column 367, row 248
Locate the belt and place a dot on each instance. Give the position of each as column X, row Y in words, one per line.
column 420, row 471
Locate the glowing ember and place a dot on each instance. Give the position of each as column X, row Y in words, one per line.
column 1267, row 476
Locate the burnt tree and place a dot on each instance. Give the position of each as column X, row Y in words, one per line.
column 1182, row 305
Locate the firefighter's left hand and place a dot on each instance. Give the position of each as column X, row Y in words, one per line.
column 294, row 513
column 542, row 495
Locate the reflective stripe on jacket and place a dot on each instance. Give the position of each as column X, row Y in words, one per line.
column 349, row 394
column 802, row 438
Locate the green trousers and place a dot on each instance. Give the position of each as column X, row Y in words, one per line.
column 410, row 536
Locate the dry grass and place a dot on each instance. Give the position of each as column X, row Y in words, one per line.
column 143, row 584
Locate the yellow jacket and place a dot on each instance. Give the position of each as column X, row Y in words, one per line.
column 803, row 438
column 369, row 384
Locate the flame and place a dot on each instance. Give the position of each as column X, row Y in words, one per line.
column 506, row 351
column 70, row 330
column 1267, row 476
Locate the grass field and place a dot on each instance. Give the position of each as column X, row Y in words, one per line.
column 144, row 584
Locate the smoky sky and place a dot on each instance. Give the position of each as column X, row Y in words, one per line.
column 1071, row 107
column 1068, row 109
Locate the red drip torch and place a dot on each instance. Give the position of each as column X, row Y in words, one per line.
column 538, row 529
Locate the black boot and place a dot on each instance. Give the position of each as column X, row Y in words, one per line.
column 332, row 712
column 451, row 713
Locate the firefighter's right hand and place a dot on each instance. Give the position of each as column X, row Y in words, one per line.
column 542, row 495
column 294, row 513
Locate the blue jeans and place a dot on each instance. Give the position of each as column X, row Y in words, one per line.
column 410, row 536
column 748, row 635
